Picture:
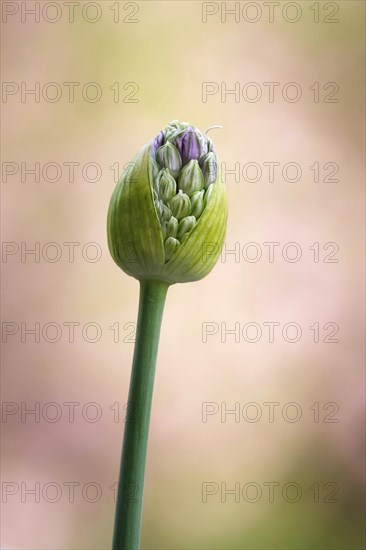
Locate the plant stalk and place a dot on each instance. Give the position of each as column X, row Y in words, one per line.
column 127, row 525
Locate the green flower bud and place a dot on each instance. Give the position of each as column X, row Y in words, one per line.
column 197, row 204
column 166, row 185
column 171, row 228
column 175, row 128
column 170, row 247
column 185, row 226
column 180, row 205
column 159, row 208
column 166, row 214
column 209, row 168
column 162, row 210
column 168, row 156
column 191, row 178
column 155, row 234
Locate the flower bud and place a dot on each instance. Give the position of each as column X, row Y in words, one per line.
column 174, row 128
column 158, row 141
column 185, row 226
column 191, row 144
column 166, row 214
column 170, row 247
column 166, row 185
column 171, row 228
column 159, row 208
column 180, row 205
column 197, row 204
column 168, row 157
column 209, row 168
column 158, row 230
column 191, row 178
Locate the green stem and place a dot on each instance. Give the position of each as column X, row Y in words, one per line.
column 127, row 524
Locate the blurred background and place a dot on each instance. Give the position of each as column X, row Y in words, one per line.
column 287, row 469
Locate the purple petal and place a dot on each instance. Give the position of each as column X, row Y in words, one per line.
column 188, row 145
column 158, row 142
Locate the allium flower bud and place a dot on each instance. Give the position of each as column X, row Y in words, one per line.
column 167, row 213
column 159, row 208
column 191, row 145
column 180, row 205
column 168, row 157
column 174, row 128
column 197, row 204
column 166, row 185
column 191, row 178
column 158, row 141
column 185, row 226
column 171, row 245
column 171, row 228
column 162, row 217
column 209, row 168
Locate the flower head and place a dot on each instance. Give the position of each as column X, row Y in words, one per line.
column 168, row 208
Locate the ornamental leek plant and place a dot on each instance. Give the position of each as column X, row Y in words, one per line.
column 168, row 209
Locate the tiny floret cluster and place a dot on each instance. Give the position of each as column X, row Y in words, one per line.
column 184, row 174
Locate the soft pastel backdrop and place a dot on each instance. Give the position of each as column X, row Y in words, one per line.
column 169, row 52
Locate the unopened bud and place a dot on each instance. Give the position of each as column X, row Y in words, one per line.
column 180, row 205
column 170, row 247
column 167, row 156
column 171, row 228
column 185, row 226
column 166, row 185
column 191, row 178
column 168, row 224
column 191, row 144
column 197, row 203
column 209, row 169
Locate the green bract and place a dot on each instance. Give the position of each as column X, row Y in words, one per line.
column 167, row 215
